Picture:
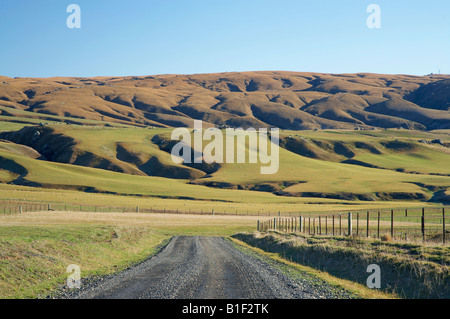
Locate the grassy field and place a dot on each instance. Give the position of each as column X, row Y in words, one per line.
column 36, row 248
column 12, row 195
column 425, row 168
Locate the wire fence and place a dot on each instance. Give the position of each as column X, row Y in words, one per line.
column 7, row 208
column 424, row 224
column 429, row 224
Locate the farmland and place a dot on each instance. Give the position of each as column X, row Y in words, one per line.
column 92, row 185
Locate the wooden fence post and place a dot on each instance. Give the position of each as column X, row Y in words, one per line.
column 300, row 224
column 357, row 224
column 392, row 223
column 423, row 224
column 378, row 225
column 257, row 227
column 367, row 230
column 350, row 224
column 333, row 225
column 443, row 226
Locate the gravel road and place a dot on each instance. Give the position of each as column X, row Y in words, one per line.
column 203, row 268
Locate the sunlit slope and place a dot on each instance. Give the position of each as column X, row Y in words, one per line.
column 350, row 165
column 345, row 163
column 402, row 150
column 311, row 175
column 131, row 147
column 288, row 100
column 37, row 173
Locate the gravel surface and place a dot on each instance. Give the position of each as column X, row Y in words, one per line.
column 204, row 268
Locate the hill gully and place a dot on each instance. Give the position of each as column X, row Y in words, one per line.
column 190, row 149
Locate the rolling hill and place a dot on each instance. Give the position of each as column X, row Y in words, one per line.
column 376, row 165
column 344, row 137
column 288, row 100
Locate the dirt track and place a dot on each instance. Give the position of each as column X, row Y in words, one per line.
column 203, row 267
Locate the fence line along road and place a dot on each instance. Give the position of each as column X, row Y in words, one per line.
column 7, row 208
column 425, row 224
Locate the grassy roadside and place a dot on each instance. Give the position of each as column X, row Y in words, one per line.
column 36, row 248
column 33, row 260
column 408, row 270
column 355, row 289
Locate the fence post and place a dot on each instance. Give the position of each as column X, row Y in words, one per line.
column 357, row 224
column 443, row 226
column 423, row 224
column 378, row 225
column 367, row 230
column 340, row 224
column 257, row 227
column 137, row 209
column 350, row 224
column 20, row 211
column 333, row 225
column 300, row 224
column 392, row 223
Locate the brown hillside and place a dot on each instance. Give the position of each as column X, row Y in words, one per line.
column 289, row 100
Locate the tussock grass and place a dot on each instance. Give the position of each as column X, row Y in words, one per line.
column 407, row 270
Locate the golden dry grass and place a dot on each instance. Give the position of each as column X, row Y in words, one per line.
column 293, row 100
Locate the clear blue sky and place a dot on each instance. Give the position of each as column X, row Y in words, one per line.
column 145, row 37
